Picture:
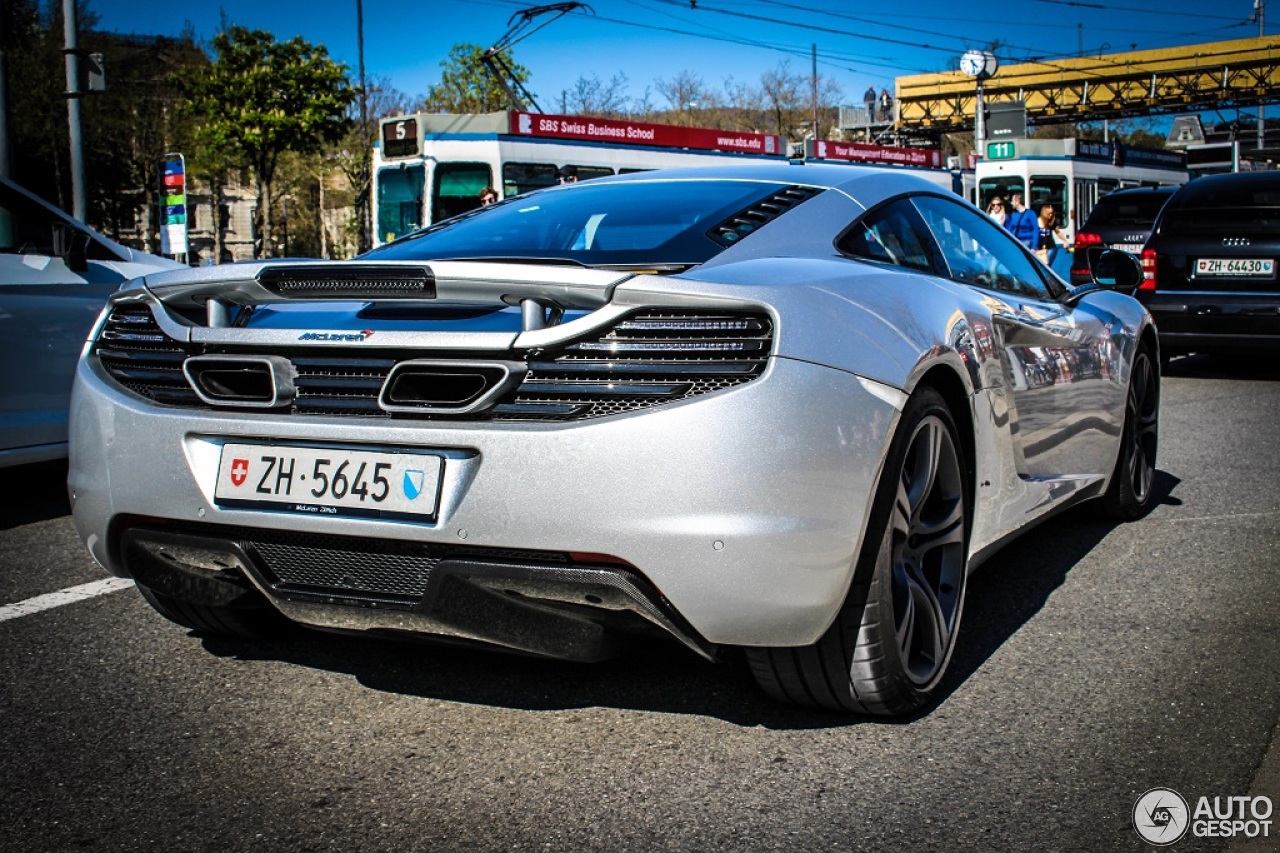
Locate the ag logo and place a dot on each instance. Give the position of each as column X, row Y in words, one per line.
column 1160, row 816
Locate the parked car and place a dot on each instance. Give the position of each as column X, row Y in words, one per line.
column 1210, row 265
column 782, row 408
column 55, row 276
column 1120, row 220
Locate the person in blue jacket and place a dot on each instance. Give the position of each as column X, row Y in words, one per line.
column 1024, row 224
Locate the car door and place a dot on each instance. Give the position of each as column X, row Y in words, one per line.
column 46, row 310
column 1055, row 357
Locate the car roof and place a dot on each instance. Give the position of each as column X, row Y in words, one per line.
column 823, row 175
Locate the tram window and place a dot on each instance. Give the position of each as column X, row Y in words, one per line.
column 1003, row 187
column 400, row 200
column 586, row 173
column 1051, row 190
column 456, row 188
column 1106, row 185
column 520, row 178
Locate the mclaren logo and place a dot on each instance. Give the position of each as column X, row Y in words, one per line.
column 337, row 337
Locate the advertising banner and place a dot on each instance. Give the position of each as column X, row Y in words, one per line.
column 862, row 152
column 624, row 132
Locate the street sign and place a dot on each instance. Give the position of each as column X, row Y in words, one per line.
column 173, row 200
column 1001, row 151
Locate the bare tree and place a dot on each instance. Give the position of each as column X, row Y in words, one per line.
column 591, row 96
column 685, row 92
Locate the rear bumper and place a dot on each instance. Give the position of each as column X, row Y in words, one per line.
column 742, row 509
column 1205, row 322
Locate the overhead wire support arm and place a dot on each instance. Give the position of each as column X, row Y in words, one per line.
column 519, row 29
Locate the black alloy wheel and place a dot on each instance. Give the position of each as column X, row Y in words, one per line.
column 890, row 644
column 1128, row 496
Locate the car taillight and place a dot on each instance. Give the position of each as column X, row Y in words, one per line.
column 1087, row 238
column 1148, row 270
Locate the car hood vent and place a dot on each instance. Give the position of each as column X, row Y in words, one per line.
column 759, row 214
column 349, row 281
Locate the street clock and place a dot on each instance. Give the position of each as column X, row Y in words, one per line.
column 981, row 64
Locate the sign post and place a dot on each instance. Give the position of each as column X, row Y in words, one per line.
column 173, row 206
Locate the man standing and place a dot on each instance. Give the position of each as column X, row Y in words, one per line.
column 1024, row 224
column 869, row 98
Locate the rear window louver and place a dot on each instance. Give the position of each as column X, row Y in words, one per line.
column 648, row 359
column 762, row 212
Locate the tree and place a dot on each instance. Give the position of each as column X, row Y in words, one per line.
column 467, row 86
column 590, row 96
column 261, row 98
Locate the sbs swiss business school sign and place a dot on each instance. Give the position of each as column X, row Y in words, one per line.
column 623, row 132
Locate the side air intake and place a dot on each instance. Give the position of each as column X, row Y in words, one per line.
column 762, row 212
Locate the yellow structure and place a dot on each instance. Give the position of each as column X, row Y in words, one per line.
column 1227, row 74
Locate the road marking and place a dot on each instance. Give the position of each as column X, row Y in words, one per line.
column 70, row 595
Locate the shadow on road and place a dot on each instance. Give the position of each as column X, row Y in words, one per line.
column 1261, row 366
column 31, row 493
column 1003, row 595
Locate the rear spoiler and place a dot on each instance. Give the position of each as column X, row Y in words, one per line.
column 537, row 287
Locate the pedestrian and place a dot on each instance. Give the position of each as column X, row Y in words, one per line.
column 1021, row 222
column 1050, row 233
column 567, row 174
column 886, row 105
column 996, row 210
column 488, row 196
column 869, row 98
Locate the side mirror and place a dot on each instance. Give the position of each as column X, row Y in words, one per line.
column 1117, row 270
column 71, row 246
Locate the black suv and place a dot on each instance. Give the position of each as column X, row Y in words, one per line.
column 1120, row 220
column 1209, row 268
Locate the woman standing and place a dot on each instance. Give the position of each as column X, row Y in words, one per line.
column 1047, row 245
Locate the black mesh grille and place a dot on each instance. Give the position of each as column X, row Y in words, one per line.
column 741, row 224
column 645, row 360
column 391, row 571
column 350, row 282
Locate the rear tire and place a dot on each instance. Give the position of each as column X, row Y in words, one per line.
column 1129, row 494
column 260, row 622
column 890, row 644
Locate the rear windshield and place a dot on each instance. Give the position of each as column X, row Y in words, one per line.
column 595, row 224
column 1136, row 210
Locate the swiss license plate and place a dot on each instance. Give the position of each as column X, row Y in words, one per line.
column 1261, row 267
column 1131, row 248
column 324, row 481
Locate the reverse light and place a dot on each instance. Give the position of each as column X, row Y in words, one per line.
column 1148, row 270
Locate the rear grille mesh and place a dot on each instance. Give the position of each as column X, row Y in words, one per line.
column 390, row 571
column 645, row 360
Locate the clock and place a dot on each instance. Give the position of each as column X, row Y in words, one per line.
column 979, row 63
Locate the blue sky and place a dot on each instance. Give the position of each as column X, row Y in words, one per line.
column 648, row 40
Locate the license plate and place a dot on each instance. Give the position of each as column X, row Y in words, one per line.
column 324, row 481
column 1236, row 266
column 1131, row 248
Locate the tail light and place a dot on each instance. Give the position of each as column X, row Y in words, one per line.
column 1148, row 270
column 1080, row 267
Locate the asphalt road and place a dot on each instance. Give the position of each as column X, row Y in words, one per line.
column 1096, row 662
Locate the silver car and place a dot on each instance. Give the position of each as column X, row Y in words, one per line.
column 782, row 408
column 55, row 276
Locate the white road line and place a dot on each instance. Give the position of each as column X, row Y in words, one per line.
column 70, row 595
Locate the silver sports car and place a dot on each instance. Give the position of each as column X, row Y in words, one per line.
column 782, row 408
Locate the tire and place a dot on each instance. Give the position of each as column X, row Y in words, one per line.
column 242, row 622
column 890, row 644
column 1129, row 494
